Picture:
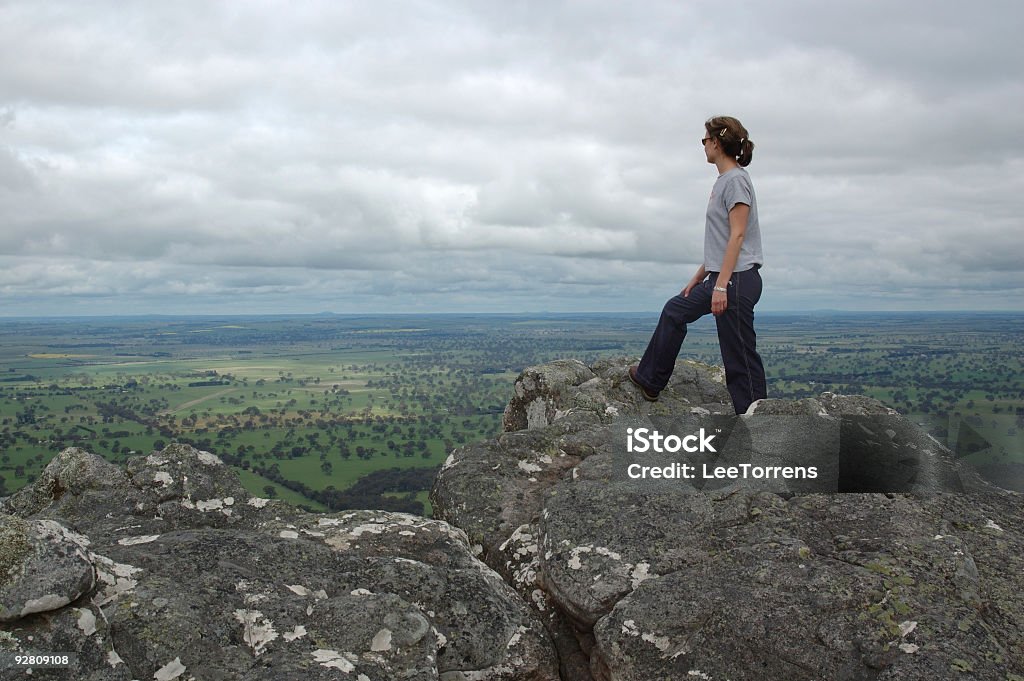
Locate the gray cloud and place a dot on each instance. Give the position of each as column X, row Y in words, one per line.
column 487, row 156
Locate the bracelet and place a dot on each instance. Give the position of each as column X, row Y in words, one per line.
column 723, row 290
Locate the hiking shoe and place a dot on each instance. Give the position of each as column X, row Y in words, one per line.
column 648, row 394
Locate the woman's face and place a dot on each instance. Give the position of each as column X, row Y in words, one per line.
column 711, row 147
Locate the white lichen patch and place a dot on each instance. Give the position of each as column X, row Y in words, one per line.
column 574, row 556
column 259, row 631
column 171, row 670
column 298, row 632
column 696, row 673
column 289, row 534
column 164, row 478
column 243, row 586
column 381, row 641
column 113, row 659
column 142, row 539
column 44, row 604
column 660, row 642
column 449, row 462
column 607, row 552
column 536, row 414
column 54, row 531
column 991, row 525
column 407, row 533
column 611, row 410
column 118, row 577
column 629, row 628
column 641, row 573
column 86, row 621
column 700, row 411
column 332, row 658
column 313, row 533
column 529, row 467
column 517, row 636
column 210, row 459
column 909, row 648
column 319, row 594
column 372, row 528
column 538, row 600
column 258, row 502
column 210, row 505
column 907, row 627
column 525, row 556
column 361, row 592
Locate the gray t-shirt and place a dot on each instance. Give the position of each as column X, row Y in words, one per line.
column 731, row 187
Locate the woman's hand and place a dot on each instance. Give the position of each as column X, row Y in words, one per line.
column 689, row 287
column 719, row 302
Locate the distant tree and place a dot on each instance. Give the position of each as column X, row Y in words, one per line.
column 270, row 491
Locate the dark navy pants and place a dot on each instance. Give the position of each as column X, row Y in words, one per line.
column 744, row 372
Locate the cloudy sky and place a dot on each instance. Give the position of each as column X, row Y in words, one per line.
column 217, row 157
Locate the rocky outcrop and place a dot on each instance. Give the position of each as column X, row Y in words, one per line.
column 546, row 560
column 168, row 569
column 918, row 575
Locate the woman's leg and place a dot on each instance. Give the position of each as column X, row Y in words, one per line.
column 660, row 357
column 744, row 371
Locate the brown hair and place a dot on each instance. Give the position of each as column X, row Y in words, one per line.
column 732, row 137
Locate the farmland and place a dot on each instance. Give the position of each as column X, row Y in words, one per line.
column 332, row 411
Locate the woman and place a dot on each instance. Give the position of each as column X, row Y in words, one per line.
column 727, row 284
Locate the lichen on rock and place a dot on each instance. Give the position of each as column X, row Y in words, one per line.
column 638, row 581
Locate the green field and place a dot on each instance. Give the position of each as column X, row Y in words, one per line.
column 358, row 411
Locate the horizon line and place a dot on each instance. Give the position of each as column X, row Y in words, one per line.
column 150, row 315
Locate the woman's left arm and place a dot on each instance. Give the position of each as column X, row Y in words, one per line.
column 737, row 230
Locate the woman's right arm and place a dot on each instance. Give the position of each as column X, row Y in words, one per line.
column 696, row 279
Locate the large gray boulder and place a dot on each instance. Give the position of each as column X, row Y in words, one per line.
column 168, row 569
column 43, row 567
column 546, row 393
column 895, row 563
